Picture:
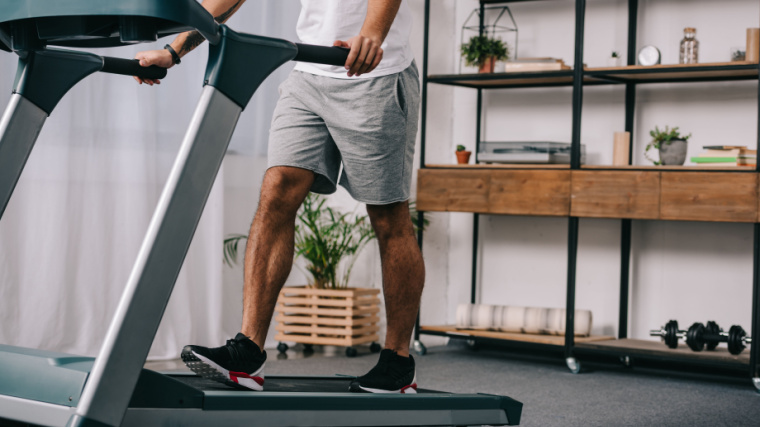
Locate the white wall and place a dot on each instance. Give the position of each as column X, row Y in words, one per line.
column 682, row 270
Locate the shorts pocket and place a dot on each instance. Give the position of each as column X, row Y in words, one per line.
column 400, row 93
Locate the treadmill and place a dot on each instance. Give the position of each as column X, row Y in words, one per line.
column 47, row 388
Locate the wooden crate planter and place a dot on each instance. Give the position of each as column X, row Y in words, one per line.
column 345, row 317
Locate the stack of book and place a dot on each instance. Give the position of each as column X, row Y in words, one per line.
column 524, row 65
column 726, row 155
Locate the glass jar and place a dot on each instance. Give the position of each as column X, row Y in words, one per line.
column 689, row 46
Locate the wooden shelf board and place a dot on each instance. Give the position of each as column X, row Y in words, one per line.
column 671, row 168
column 497, row 166
column 508, row 336
column 506, row 80
column 593, row 167
column 658, row 349
column 678, row 72
column 686, row 67
column 603, row 75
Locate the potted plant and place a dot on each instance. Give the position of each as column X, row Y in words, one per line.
column 483, row 52
column 326, row 311
column 614, row 59
column 463, row 156
column 670, row 144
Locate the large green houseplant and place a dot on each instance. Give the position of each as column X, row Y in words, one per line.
column 326, row 239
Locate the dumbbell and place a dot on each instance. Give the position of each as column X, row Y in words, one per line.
column 669, row 333
column 698, row 336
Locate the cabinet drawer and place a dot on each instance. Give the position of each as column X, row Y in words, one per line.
column 709, row 196
column 448, row 190
column 616, row 194
column 530, row 192
column 514, row 192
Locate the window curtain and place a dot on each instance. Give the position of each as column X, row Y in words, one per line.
column 75, row 223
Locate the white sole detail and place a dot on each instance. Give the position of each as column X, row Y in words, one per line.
column 410, row 389
column 245, row 382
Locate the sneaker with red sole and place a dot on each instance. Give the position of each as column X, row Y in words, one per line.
column 392, row 374
column 237, row 364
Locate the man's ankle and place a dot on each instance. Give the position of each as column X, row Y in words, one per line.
column 403, row 352
column 259, row 341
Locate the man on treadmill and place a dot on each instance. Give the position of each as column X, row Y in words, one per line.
column 363, row 116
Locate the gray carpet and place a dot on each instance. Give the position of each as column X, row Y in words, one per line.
column 605, row 396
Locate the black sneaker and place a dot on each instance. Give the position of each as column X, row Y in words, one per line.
column 237, row 364
column 392, row 374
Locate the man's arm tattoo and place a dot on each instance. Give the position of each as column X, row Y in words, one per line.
column 192, row 41
column 226, row 15
column 195, row 39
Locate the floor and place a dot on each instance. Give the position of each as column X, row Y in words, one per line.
column 602, row 395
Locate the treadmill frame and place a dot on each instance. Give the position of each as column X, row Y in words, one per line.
column 238, row 64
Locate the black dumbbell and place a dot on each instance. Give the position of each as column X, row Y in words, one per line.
column 737, row 339
column 669, row 334
column 712, row 328
column 698, row 336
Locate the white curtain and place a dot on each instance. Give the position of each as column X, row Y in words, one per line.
column 74, row 225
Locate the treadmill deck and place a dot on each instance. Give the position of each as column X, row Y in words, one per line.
column 280, row 384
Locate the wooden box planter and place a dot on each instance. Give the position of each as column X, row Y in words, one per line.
column 341, row 317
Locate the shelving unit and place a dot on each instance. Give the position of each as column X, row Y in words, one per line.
column 672, row 73
column 692, row 193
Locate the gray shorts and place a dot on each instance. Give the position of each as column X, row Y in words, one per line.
column 368, row 125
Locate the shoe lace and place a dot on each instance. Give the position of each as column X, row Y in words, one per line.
column 235, row 348
column 386, row 368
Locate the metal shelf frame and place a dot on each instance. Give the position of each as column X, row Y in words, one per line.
column 578, row 78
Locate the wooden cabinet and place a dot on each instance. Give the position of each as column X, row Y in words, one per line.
column 629, row 194
column 616, row 194
column 445, row 190
column 504, row 192
column 709, row 196
column 530, row 192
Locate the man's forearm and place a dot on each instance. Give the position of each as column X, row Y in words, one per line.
column 222, row 10
column 380, row 17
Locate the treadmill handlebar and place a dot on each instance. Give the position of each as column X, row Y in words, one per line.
column 131, row 67
column 334, row 55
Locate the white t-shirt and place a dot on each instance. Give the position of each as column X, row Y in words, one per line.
column 324, row 21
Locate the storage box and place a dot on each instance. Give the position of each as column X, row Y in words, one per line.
column 341, row 317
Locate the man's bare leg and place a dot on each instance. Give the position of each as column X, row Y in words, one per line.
column 269, row 253
column 403, row 272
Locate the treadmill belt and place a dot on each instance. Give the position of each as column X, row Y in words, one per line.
column 338, row 384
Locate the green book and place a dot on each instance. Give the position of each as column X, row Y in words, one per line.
column 713, row 159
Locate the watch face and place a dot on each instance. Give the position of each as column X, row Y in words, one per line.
column 649, row 55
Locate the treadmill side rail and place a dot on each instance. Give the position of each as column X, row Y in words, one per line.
column 19, row 128
column 45, row 76
column 43, row 79
column 240, row 59
column 109, row 388
column 114, row 375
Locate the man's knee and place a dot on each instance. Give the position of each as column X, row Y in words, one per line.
column 284, row 189
column 390, row 220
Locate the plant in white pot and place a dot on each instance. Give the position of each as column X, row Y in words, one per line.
column 670, row 144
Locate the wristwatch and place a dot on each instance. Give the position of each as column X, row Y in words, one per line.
column 175, row 56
